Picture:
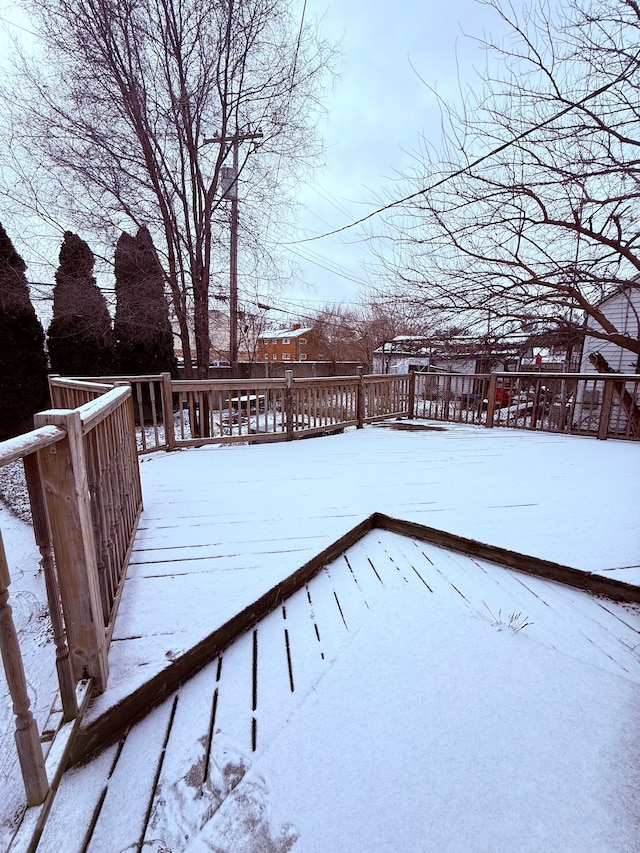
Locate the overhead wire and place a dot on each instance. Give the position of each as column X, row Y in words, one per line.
column 463, row 169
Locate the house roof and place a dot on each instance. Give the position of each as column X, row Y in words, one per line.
column 284, row 333
column 459, row 346
column 632, row 287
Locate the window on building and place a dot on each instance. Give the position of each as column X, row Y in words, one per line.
column 286, row 340
column 303, row 356
column 303, row 341
column 286, row 356
column 275, row 356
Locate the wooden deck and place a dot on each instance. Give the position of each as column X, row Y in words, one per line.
column 226, row 537
column 190, row 775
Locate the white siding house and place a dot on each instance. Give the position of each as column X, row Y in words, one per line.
column 623, row 310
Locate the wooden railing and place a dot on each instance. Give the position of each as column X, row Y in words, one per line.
column 323, row 405
column 388, row 396
column 184, row 413
column 29, row 747
column 600, row 405
column 94, row 499
column 71, row 393
column 151, row 394
column 84, row 489
column 223, row 411
column 173, row 414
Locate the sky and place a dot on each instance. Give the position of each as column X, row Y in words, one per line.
column 381, row 104
column 376, row 110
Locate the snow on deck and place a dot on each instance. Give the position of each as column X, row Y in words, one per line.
column 408, row 698
column 222, row 525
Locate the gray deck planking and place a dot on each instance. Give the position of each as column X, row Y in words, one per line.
column 188, row 755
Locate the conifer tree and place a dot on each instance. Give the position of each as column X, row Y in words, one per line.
column 80, row 335
column 23, row 364
column 144, row 338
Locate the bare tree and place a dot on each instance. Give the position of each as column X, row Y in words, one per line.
column 119, row 108
column 535, row 233
column 353, row 334
column 375, row 324
column 335, row 335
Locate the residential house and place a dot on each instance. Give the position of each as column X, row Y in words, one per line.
column 622, row 308
column 294, row 344
column 470, row 354
column 457, row 354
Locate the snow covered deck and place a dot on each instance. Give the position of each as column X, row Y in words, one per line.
column 431, row 678
column 223, row 525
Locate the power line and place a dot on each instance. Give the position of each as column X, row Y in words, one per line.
column 502, row 147
column 10, row 23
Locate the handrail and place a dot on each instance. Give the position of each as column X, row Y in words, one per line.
column 27, row 447
column 84, row 489
column 94, row 499
column 100, row 384
column 602, row 405
column 96, row 411
column 14, row 449
column 186, row 413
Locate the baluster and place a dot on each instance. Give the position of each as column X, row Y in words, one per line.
column 26, row 734
column 42, row 533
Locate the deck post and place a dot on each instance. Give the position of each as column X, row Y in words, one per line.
column 412, row 394
column 491, row 399
column 167, row 412
column 288, row 403
column 605, row 410
column 27, row 738
column 42, row 534
column 360, row 398
column 64, row 473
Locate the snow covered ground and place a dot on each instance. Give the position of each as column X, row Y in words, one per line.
column 568, row 499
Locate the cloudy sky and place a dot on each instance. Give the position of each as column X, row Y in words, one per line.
column 391, row 54
column 378, row 108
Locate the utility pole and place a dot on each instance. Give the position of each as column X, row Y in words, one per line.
column 230, row 191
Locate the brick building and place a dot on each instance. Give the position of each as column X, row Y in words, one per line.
column 294, row 344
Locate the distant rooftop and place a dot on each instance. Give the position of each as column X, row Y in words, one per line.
column 285, row 333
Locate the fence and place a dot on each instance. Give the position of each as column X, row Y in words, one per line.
column 188, row 413
column 601, row 405
column 388, row 396
column 84, row 489
column 150, row 393
column 173, row 414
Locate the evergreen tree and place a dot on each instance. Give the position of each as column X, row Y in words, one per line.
column 23, row 364
column 144, row 338
column 80, row 335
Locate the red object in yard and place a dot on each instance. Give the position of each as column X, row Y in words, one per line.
column 503, row 395
column 538, row 360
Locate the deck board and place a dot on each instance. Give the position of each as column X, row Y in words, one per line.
column 215, row 536
column 203, row 775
